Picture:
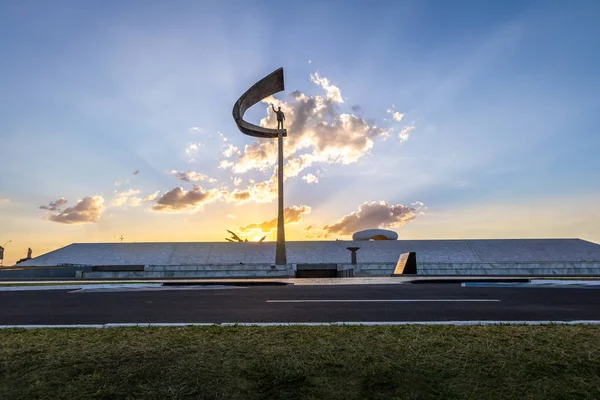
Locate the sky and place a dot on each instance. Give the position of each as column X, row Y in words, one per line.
column 435, row 119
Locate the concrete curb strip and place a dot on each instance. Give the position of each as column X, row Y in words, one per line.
column 267, row 324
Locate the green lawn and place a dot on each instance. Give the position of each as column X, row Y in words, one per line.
column 338, row 362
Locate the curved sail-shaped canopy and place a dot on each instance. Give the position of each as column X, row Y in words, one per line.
column 267, row 86
column 375, row 234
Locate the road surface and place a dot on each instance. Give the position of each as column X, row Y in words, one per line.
column 347, row 303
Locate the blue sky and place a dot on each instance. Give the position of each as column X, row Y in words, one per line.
column 499, row 99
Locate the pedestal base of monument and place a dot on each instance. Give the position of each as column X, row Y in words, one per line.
column 323, row 270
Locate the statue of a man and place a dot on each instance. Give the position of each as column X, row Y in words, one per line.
column 280, row 117
column 28, row 252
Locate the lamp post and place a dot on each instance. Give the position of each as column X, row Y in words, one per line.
column 2, row 258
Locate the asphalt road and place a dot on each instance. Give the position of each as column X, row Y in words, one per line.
column 349, row 303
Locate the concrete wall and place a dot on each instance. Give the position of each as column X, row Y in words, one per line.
column 196, row 271
column 347, row 269
column 40, row 272
column 375, row 258
column 428, row 251
column 524, row 268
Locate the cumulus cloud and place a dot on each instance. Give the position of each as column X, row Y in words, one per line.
column 318, row 132
column 333, row 92
column 191, row 149
column 310, row 178
column 395, row 114
column 308, row 228
column 237, row 181
column 86, row 210
column 239, row 196
column 291, row 215
column 405, row 133
column 231, row 150
column 127, row 197
column 179, row 199
column 259, row 192
column 224, row 164
column 194, row 129
column 192, row 176
column 152, row 197
column 54, row 205
column 373, row 215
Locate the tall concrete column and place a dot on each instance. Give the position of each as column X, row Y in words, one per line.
column 280, row 257
column 267, row 86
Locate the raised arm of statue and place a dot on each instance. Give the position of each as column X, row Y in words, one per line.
column 273, row 107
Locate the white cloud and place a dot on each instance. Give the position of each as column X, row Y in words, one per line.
column 191, row 149
column 333, row 92
column 135, row 201
column 317, row 133
column 127, row 197
column 237, row 181
column 397, row 116
column 152, row 197
column 179, row 199
column 231, row 216
column 54, row 205
column 310, row 178
column 405, row 133
column 194, row 129
column 230, row 150
column 192, row 176
column 261, row 192
column 86, row 210
column 224, row 164
column 291, row 215
column 373, row 215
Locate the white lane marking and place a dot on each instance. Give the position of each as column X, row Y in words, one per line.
column 383, row 301
column 538, row 283
column 267, row 324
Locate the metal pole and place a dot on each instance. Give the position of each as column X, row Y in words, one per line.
column 4, row 247
column 280, row 258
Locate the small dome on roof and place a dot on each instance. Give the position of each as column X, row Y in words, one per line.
column 375, row 234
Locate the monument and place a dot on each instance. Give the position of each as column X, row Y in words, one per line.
column 29, row 252
column 265, row 87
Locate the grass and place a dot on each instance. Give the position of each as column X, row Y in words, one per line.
column 344, row 362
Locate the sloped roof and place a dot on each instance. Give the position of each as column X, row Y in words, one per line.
column 499, row 250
